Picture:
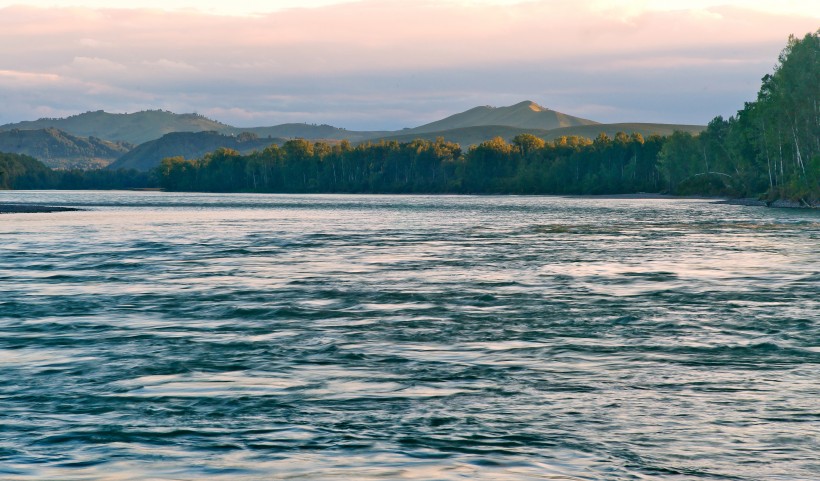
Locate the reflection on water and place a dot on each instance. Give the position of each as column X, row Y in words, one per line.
column 191, row 336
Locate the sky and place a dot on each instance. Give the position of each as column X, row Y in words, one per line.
column 389, row 64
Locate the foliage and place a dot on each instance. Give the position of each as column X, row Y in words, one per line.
column 529, row 165
column 23, row 172
column 771, row 147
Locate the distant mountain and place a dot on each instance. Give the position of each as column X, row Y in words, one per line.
column 524, row 115
column 313, row 132
column 191, row 145
column 58, row 149
column 134, row 128
column 148, row 125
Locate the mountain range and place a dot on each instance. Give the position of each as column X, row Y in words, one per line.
column 134, row 128
column 158, row 134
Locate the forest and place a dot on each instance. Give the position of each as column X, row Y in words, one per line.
column 528, row 165
column 770, row 149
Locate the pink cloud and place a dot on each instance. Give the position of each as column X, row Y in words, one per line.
column 379, row 34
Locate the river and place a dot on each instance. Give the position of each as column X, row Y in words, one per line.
column 159, row 336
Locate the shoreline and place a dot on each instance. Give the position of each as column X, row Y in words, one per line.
column 775, row 204
column 11, row 208
column 33, row 209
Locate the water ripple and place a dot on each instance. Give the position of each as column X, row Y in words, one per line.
column 194, row 336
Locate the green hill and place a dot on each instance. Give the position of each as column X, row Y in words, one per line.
column 19, row 171
column 59, row 149
column 191, row 145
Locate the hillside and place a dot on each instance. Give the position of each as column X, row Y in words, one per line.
column 524, row 115
column 191, row 145
column 645, row 129
column 465, row 136
column 58, row 149
column 468, row 136
column 19, row 171
column 312, row 132
column 134, row 128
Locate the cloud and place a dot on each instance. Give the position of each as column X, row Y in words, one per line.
column 390, row 64
column 11, row 78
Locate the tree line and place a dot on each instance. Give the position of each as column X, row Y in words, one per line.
column 527, row 165
column 771, row 147
column 18, row 171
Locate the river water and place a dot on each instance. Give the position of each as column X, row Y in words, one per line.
column 168, row 336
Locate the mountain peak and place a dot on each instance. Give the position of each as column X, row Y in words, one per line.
column 529, row 104
column 525, row 115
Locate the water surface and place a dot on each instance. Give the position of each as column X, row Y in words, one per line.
column 190, row 336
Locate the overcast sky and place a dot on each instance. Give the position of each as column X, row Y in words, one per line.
column 388, row 64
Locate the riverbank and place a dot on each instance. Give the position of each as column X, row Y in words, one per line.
column 32, row 209
column 778, row 204
column 8, row 208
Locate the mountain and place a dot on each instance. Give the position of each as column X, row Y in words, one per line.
column 148, row 125
column 58, row 149
column 524, row 115
column 140, row 127
column 134, row 128
column 191, row 145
